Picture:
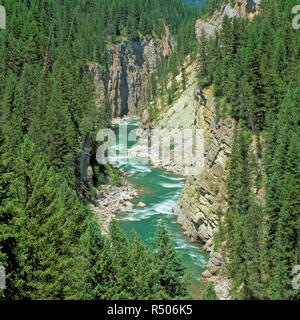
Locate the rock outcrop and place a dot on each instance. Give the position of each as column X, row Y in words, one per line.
column 132, row 63
column 169, row 128
column 242, row 9
column 203, row 195
column 112, row 199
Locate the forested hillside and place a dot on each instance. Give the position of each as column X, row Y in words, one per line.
column 50, row 245
column 254, row 68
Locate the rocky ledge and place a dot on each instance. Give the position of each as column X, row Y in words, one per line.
column 112, row 199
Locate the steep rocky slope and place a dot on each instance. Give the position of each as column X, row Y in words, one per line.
column 132, row 62
column 242, row 9
column 179, row 115
column 205, row 193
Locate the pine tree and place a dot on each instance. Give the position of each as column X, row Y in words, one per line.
column 44, row 240
column 209, row 293
column 169, row 265
column 98, row 268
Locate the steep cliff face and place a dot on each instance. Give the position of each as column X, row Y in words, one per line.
column 242, row 9
column 203, row 195
column 132, row 63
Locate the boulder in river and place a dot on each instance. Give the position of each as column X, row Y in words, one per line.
column 127, row 208
column 141, row 205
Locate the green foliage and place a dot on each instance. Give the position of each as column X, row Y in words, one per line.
column 42, row 221
column 169, row 267
column 282, row 201
column 212, row 5
column 49, row 244
column 254, row 62
column 209, row 293
column 122, row 268
column 254, row 73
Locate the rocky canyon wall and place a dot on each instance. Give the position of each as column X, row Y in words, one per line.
column 204, row 194
column 242, row 9
column 132, row 63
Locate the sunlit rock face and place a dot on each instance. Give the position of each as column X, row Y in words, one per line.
column 132, row 63
column 242, row 9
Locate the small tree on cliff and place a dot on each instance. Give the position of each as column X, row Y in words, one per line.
column 209, row 293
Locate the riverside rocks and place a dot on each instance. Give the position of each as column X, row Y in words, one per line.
column 112, row 199
column 141, row 205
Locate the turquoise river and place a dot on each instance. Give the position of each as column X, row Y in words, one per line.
column 161, row 191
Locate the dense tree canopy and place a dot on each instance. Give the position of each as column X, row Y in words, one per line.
column 50, row 245
column 255, row 76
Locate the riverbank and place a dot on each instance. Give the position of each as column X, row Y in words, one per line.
column 190, row 199
column 112, row 199
column 158, row 192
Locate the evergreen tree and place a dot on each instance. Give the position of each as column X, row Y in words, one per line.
column 98, row 269
column 209, row 293
column 169, row 266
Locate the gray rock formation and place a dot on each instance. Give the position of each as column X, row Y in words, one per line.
column 202, row 195
column 242, row 9
column 132, row 62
